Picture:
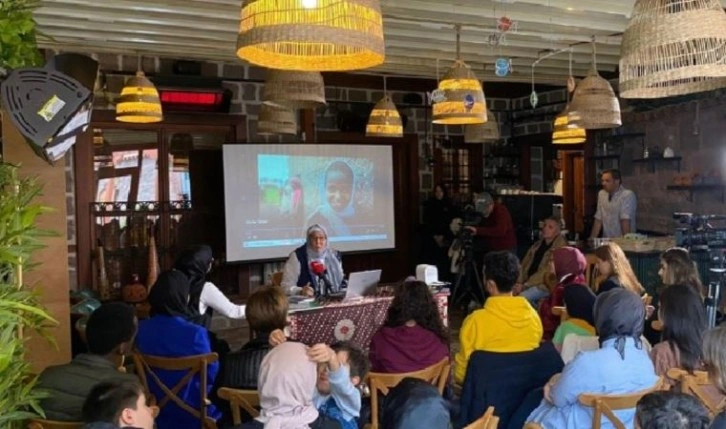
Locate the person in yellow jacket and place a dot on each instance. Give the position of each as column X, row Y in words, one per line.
column 506, row 323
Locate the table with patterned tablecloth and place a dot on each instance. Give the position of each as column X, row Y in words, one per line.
column 355, row 321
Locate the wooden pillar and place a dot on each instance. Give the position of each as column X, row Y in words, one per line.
column 307, row 125
column 50, row 276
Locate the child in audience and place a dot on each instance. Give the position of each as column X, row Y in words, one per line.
column 117, row 404
column 579, row 301
column 615, row 267
column 341, row 368
column 670, row 410
column 568, row 266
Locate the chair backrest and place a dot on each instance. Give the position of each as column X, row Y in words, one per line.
column 592, row 275
column 698, row 384
column 560, row 311
column 277, row 278
column 487, row 421
column 605, row 405
column 436, row 374
column 51, row 424
column 146, row 364
column 248, row 400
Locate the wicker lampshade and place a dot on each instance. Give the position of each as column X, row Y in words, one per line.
column 673, row 47
column 313, row 35
column 385, row 121
column 480, row 133
column 596, row 103
column 293, row 89
column 139, row 101
column 464, row 101
column 274, row 119
column 567, row 129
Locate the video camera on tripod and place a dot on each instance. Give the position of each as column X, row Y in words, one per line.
column 469, row 217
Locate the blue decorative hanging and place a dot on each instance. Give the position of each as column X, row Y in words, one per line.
column 502, row 66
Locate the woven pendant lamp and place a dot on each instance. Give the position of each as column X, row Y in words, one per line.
column 481, row 133
column 311, row 35
column 673, row 47
column 385, row 121
column 463, row 100
column 595, row 101
column 139, row 101
column 274, row 119
column 293, row 89
column 567, row 129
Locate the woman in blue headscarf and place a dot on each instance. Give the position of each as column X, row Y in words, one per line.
column 338, row 188
column 298, row 278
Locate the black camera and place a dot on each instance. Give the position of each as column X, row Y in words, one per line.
column 699, row 230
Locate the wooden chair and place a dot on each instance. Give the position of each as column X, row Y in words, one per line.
column 145, row 365
column 277, row 278
column 487, row 421
column 697, row 384
column 605, row 405
column 592, row 276
column 436, row 374
column 51, row 424
column 248, row 400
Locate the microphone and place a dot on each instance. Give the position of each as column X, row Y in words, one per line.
column 318, row 268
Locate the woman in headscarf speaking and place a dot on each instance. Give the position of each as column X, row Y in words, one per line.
column 298, row 276
column 619, row 366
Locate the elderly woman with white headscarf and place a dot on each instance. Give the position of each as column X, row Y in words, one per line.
column 299, row 278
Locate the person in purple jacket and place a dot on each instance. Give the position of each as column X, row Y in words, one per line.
column 413, row 336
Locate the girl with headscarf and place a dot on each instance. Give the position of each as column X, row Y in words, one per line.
column 620, row 366
column 337, row 192
column 579, row 302
column 568, row 268
column 286, row 387
column 170, row 332
column 195, row 262
column 298, row 278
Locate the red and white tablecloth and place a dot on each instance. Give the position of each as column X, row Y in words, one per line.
column 348, row 321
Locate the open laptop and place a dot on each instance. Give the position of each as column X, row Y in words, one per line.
column 362, row 283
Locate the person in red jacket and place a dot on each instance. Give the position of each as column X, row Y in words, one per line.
column 496, row 230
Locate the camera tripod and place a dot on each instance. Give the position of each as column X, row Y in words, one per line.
column 468, row 286
column 713, row 298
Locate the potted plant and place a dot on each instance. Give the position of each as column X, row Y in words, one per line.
column 18, row 46
column 21, row 314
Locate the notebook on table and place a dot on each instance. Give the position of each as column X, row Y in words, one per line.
column 362, row 283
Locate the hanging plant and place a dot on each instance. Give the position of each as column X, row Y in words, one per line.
column 18, row 46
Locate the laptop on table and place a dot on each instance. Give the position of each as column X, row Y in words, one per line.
column 362, row 283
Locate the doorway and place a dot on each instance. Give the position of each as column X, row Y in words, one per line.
column 573, row 190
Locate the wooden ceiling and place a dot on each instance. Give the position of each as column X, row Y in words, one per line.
column 418, row 33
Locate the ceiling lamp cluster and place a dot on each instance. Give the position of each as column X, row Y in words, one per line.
column 673, row 47
column 384, row 121
column 459, row 98
column 273, row 119
column 482, row 133
column 596, row 101
column 311, row 35
column 294, row 89
column 139, row 100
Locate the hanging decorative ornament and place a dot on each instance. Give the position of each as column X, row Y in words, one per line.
column 502, row 66
column 469, row 102
column 533, row 99
column 504, row 24
column 570, row 84
column 494, row 39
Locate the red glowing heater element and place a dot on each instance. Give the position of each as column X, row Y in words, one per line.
column 211, row 100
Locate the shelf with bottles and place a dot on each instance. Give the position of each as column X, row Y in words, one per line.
column 651, row 161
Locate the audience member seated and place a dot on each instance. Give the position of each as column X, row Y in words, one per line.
column 109, row 335
column 503, row 381
column 613, row 265
column 287, row 385
column 297, row 279
column 414, row 404
column 204, row 296
column 579, row 301
column 438, row 211
column 714, row 358
column 620, row 366
column 341, row 368
column 506, row 323
column 569, row 269
column 117, row 404
column 670, row 410
column 413, row 336
column 538, row 261
column 684, row 322
column 169, row 334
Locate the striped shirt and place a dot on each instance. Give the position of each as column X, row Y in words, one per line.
column 611, row 209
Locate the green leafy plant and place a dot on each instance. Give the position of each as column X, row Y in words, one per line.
column 18, row 46
column 21, row 314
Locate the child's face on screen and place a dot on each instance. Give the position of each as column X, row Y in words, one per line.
column 338, row 189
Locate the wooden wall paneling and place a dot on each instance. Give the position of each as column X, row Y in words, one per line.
column 84, row 184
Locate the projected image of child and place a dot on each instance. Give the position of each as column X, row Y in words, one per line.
column 337, row 208
column 292, row 202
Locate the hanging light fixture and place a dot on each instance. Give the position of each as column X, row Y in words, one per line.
column 482, row 133
column 384, row 121
column 311, row 35
column 274, row 119
column 459, row 98
column 673, row 47
column 567, row 129
column 596, row 101
column 293, row 89
column 139, row 100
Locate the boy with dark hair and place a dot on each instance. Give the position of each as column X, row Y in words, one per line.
column 341, row 368
column 110, row 335
column 670, row 410
column 117, row 404
column 506, row 323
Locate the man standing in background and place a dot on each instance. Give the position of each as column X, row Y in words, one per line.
column 616, row 207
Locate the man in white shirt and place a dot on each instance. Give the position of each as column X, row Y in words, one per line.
column 616, row 207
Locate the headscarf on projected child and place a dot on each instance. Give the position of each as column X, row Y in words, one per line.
column 337, row 191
